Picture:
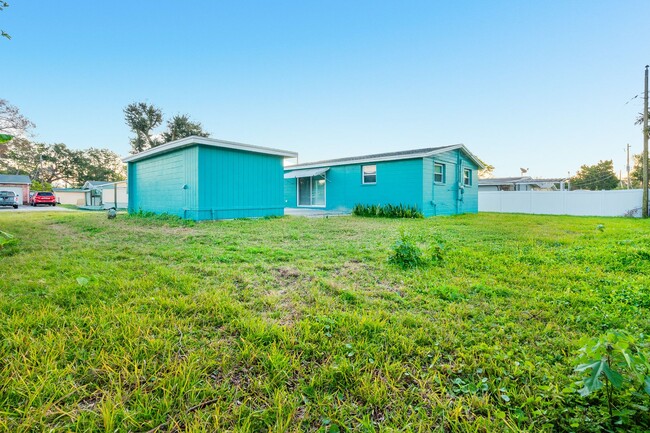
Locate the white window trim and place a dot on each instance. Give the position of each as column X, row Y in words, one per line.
column 311, row 180
column 469, row 177
column 444, row 173
column 363, row 175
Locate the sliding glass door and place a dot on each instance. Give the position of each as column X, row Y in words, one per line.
column 311, row 191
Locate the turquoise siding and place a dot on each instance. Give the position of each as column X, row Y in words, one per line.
column 156, row 184
column 290, row 193
column 448, row 198
column 206, row 182
column 238, row 184
column 409, row 182
column 397, row 182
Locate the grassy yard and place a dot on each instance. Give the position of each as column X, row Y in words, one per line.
column 296, row 324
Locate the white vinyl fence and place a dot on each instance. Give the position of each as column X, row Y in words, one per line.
column 595, row 203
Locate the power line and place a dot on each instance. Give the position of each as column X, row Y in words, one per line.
column 593, row 181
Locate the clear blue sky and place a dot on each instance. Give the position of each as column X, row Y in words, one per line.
column 541, row 85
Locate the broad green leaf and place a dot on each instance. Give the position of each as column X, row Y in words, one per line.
column 5, row 137
column 646, row 386
column 614, row 377
column 591, row 364
column 591, row 383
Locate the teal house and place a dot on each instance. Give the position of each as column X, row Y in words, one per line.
column 437, row 180
column 206, row 179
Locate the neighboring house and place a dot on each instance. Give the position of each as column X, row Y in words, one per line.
column 525, row 183
column 93, row 193
column 437, row 180
column 204, row 179
column 115, row 194
column 74, row 196
column 100, row 194
column 17, row 183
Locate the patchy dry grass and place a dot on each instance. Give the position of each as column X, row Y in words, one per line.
column 297, row 324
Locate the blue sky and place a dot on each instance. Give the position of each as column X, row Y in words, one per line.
column 541, row 85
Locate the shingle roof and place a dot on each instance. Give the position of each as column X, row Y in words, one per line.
column 513, row 180
column 503, row 180
column 15, row 178
column 390, row 156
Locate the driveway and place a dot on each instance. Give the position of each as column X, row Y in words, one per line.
column 25, row 208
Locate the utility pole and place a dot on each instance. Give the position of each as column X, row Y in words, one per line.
column 644, row 209
column 40, row 168
column 620, row 178
column 627, row 167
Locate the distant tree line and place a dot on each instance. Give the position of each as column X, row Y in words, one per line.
column 51, row 163
column 57, row 163
column 144, row 118
column 596, row 177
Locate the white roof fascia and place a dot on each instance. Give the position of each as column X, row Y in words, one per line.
column 305, row 173
column 471, row 156
column 358, row 161
column 389, row 158
column 189, row 141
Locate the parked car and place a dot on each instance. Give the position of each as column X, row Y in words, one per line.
column 43, row 197
column 9, row 198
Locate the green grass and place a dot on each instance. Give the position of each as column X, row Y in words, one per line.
column 297, row 324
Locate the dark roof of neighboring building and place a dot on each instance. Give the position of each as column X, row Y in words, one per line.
column 390, row 156
column 502, row 180
column 68, row 189
column 517, row 180
column 15, row 178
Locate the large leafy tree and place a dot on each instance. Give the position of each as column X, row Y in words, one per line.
column 42, row 162
column 57, row 163
column 52, row 163
column 12, row 122
column 180, row 126
column 20, row 156
column 99, row 164
column 143, row 118
column 636, row 174
column 595, row 177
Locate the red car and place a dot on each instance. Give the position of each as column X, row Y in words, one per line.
column 43, row 198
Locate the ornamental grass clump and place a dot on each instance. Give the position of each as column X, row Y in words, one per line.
column 386, row 211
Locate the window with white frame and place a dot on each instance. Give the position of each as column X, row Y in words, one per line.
column 439, row 175
column 467, row 177
column 369, row 174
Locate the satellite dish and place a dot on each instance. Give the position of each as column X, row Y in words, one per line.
column 524, row 170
